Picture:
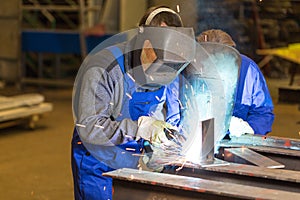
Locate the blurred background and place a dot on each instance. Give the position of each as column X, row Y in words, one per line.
column 43, row 43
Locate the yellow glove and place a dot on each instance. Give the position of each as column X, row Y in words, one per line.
column 153, row 130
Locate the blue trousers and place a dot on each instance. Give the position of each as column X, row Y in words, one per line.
column 89, row 184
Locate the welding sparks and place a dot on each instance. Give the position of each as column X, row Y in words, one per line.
column 203, row 88
column 99, row 126
column 137, row 154
column 192, row 89
column 174, row 91
column 130, row 77
column 128, row 95
column 181, row 167
column 130, row 149
column 188, row 104
column 178, row 8
column 128, row 136
column 81, row 125
column 180, row 104
column 185, row 96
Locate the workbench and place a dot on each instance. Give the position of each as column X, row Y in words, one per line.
column 243, row 177
column 22, row 109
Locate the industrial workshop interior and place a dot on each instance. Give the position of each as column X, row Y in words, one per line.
column 44, row 44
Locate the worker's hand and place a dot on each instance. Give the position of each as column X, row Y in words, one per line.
column 149, row 161
column 155, row 131
column 239, row 127
column 175, row 136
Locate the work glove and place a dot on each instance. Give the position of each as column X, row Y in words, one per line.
column 149, row 161
column 155, row 158
column 239, row 127
column 156, row 131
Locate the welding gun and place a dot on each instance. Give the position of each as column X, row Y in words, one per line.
column 172, row 135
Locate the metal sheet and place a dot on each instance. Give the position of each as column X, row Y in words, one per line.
column 290, row 158
column 286, row 152
column 187, row 187
column 252, row 171
column 282, row 150
column 232, row 154
column 264, row 141
column 243, row 174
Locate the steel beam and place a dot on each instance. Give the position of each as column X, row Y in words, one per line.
column 134, row 184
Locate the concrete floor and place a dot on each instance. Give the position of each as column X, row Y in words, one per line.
column 35, row 164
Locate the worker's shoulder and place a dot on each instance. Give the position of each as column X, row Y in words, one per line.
column 248, row 62
column 103, row 58
column 245, row 58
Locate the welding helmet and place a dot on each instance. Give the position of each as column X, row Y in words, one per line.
column 174, row 48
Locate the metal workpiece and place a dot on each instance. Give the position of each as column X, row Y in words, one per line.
column 262, row 141
column 252, row 161
column 250, row 175
column 252, row 171
column 282, row 150
column 135, row 184
column 267, row 168
column 248, row 167
column 238, row 155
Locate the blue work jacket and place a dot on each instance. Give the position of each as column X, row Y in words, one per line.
column 253, row 102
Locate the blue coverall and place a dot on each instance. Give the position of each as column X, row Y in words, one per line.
column 89, row 184
column 253, row 102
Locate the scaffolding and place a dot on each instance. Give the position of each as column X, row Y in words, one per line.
column 54, row 31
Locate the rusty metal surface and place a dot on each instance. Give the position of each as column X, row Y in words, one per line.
column 189, row 187
column 263, row 141
column 245, row 175
column 254, row 171
column 251, row 171
column 282, row 150
column 234, row 154
column 273, row 150
column 291, row 162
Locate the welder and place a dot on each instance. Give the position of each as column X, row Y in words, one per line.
column 119, row 98
column 253, row 107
